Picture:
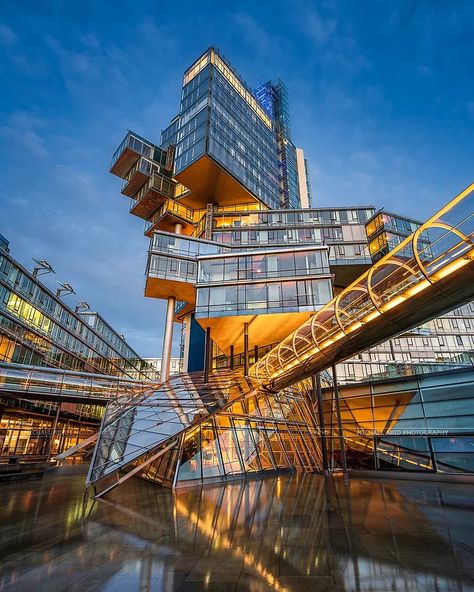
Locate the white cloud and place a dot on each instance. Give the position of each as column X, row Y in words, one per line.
column 21, row 131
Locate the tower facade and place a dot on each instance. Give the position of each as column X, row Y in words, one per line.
column 235, row 248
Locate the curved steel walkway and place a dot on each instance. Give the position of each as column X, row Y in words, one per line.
column 431, row 272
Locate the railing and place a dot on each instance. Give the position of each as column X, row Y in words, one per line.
column 36, row 382
column 180, row 191
column 201, row 227
column 163, row 185
column 170, row 207
column 134, row 142
column 414, row 282
column 143, row 165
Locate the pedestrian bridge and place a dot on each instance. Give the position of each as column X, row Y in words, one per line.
column 430, row 273
column 50, row 384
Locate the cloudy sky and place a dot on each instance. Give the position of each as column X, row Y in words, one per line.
column 381, row 97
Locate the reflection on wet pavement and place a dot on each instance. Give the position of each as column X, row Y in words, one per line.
column 291, row 533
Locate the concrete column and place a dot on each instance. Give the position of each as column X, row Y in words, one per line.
column 167, row 340
column 168, row 336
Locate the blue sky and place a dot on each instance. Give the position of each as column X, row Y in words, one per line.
column 381, row 97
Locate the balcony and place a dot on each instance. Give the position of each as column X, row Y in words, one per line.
column 127, row 154
column 171, row 276
column 168, row 215
column 141, row 171
column 154, row 192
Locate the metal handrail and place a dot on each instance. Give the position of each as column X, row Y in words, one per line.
column 35, row 382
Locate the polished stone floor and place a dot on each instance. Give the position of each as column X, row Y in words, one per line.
column 286, row 534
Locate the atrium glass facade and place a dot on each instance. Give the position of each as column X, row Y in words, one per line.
column 415, row 423
column 236, row 433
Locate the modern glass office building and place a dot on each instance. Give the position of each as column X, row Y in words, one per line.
column 270, row 291
column 38, row 329
column 260, row 283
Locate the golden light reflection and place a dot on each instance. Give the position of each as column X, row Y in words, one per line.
column 214, row 58
column 224, row 543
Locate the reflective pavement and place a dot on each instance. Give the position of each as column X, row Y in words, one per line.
column 288, row 533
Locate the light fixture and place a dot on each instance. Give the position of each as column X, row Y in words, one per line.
column 43, row 267
column 64, row 290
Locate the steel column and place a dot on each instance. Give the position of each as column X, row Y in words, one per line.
column 246, row 349
column 318, row 395
column 339, row 420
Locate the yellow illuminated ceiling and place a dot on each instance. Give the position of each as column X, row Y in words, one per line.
column 263, row 329
column 162, row 288
column 210, row 183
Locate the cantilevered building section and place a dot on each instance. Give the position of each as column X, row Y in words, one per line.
column 224, row 141
column 244, row 261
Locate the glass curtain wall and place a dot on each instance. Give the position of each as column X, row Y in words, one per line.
column 264, row 297
column 423, row 423
column 257, row 434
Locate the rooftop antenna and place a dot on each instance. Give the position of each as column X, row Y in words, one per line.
column 42, row 268
column 82, row 306
column 64, row 290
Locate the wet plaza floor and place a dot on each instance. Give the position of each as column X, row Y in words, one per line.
column 286, row 534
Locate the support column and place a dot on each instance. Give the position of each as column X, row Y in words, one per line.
column 318, row 395
column 55, row 425
column 168, row 336
column 167, row 340
column 246, row 349
column 392, row 349
column 187, row 335
column 231, row 356
column 342, row 444
column 207, row 355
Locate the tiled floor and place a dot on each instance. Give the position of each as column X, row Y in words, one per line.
column 293, row 533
